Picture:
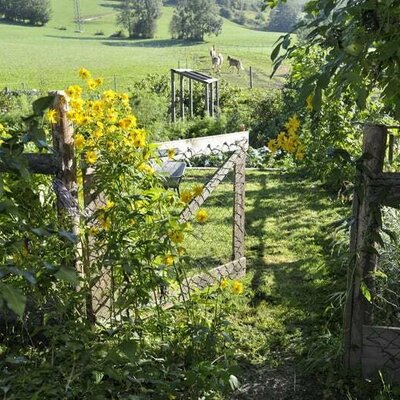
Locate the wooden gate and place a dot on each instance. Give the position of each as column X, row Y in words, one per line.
column 367, row 346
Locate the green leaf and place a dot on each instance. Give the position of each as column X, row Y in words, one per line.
column 66, row 274
column 276, row 51
column 129, row 348
column 42, row 104
column 365, row 291
column 14, row 298
column 69, row 236
column 40, row 232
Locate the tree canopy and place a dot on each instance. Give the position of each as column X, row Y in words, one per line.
column 193, row 19
column 360, row 42
column 35, row 12
column 139, row 17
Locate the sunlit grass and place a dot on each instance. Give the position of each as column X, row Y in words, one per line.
column 48, row 57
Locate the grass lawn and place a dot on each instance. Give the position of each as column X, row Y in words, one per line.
column 283, row 323
column 293, row 271
column 48, row 57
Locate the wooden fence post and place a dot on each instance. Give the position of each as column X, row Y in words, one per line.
column 358, row 310
column 239, row 206
column 63, row 143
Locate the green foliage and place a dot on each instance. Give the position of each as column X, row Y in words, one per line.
column 360, row 43
column 193, row 19
column 139, row 17
column 35, row 12
column 49, row 347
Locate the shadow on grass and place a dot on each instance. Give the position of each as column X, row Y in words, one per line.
column 293, row 276
column 151, row 43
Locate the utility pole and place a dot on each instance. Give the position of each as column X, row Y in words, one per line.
column 78, row 19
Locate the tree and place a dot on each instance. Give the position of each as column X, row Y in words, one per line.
column 192, row 19
column 360, row 42
column 139, row 17
column 35, row 12
column 283, row 17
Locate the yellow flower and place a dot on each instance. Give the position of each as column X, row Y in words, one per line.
column 237, row 287
column 77, row 103
column 109, row 205
column 106, row 224
column 109, row 95
column 300, row 153
column 51, row 116
column 99, row 81
column 169, row 259
column 171, row 154
column 309, row 102
column 198, row 190
column 146, row 168
column 92, row 84
column 79, row 141
column 91, row 157
column 273, row 145
column 186, row 196
column 111, row 146
column 224, row 283
column 84, row 73
column 128, row 122
column 292, row 125
column 111, row 116
column 97, row 134
column 176, row 236
column 74, row 91
column 94, row 230
column 201, row 216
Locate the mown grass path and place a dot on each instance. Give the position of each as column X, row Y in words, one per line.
column 293, row 271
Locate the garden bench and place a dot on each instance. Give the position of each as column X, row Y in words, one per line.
column 173, row 172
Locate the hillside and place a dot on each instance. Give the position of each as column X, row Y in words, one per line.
column 47, row 57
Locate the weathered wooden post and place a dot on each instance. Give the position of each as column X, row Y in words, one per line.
column 366, row 209
column 173, row 96
column 238, row 207
column 211, row 100
column 63, row 143
column 251, row 77
column 207, row 100
column 217, row 97
column 191, row 98
column 182, row 97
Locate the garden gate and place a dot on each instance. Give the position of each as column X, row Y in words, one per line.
column 62, row 165
column 231, row 264
column 369, row 345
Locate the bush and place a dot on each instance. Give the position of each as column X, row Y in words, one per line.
column 35, row 12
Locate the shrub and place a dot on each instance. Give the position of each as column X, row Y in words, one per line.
column 35, row 12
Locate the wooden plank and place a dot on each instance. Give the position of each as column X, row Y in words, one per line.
column 182, row 97
column 204, row 145
column 233, row 270
column 37, row 163
column 173, row 97
column 238, row 207
column 211, row 185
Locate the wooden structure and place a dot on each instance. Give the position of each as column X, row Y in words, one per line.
column 369, row 347
column 236, row 144
column 62, row 165
column 211, row 92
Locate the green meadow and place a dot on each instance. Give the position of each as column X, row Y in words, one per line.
column 48, row 57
